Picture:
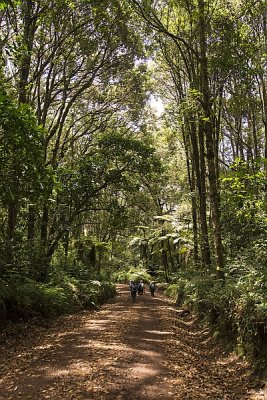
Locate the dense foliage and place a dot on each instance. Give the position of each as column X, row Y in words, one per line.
column 73, row 144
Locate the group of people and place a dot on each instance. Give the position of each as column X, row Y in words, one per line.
column 139, row 288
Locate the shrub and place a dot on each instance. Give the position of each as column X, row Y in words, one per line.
column 235, row 311
column 95, row 292
column 26, row 299
column 133, row 273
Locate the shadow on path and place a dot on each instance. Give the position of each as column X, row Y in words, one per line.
column 125, row 351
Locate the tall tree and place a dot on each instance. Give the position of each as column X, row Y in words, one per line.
column 194, row 55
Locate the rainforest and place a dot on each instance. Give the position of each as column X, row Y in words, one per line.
column 133, row 147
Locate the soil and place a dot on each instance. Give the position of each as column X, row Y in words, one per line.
column 124, row 351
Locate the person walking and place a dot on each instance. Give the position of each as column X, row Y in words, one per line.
column 152, row 288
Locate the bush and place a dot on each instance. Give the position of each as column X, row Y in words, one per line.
column 172, row 291
column 95, row 292
column 134, row 274
column 235, row 311
column 26, row 299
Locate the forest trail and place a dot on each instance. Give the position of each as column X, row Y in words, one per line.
column 124, row 351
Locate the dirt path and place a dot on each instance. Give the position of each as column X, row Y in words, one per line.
column 125, row 351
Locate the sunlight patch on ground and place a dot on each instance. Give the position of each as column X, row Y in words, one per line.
column 44, row 347
column 152, row 340
column 143, row 370
column 100, row 345
column 58, row 373
column 97, row 324
column 160, row 332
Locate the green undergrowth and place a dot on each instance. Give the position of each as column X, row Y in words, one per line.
column 134, row 273
column 235, row 311
column 24, row 299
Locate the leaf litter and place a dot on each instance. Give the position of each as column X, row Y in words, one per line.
column 124, row 351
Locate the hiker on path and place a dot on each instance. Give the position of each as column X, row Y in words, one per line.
column 133, row 289
column 152, row 288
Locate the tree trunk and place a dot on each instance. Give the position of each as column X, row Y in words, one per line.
column 44, row 226
column 200, row 171
column 165, row 262
column 31, row 222
column 28, row 37
column 217, row 124
column 208, row 129
column 206, row 257
column 264, row 89
column 170, row 256
column 192, row 185
column 12, row 219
